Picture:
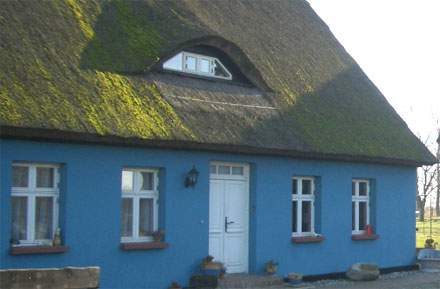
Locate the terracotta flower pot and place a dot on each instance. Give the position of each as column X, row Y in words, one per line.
column 271, row 267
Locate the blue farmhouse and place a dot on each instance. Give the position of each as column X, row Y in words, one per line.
column 142, row 136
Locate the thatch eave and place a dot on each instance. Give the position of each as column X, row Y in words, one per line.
column 50, row 135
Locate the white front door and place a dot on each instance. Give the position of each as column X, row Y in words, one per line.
column 229, row 215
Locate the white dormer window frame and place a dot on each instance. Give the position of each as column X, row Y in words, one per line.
column 198, row 64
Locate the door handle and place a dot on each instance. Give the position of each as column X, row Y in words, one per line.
column 227, row 224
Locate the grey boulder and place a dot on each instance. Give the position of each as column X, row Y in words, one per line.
column 363, row 272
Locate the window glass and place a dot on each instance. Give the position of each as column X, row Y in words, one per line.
column 197, row 64
column 127, row 180
column 294, row 216
column 45, row 177
column 127, row 217
column 146, row 217
column 220, row 71
column 294, row 186
column 147, row 181
column 174, row 63
column 20, row 176
column 306, row 187
column 213, row 169
column 224, row 170
column 362, row 215
column 237, row 171
column 19, row 218
column 306, row 216
column 353, row 216
column 353, row 188
column 204, row 65
column 33, row 204
column 139, row 209
column 44, row 218
column 190, row 63
column 360, row 210
column 302, row 206
column 362, row 188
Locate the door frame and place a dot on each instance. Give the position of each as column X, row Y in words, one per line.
column 246, row 178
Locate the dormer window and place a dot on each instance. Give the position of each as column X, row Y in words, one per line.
column 197, row 64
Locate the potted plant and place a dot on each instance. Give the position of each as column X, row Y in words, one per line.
column 271, row 267
column 57, row 238
column 294, row 278
column 158, row 235
column 14, row 242
column 430, row 243
column 209, row 267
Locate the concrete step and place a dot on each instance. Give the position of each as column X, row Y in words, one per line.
column 239, row 281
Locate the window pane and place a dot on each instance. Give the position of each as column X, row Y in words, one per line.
column 20, row 176
column 362, row 188
column 147, row 181
column 44, row 218
column 224, row 170
column 19, row 218
column 294, row 216
column 306, row 187
column 45, row 177
column 353, row 216
column 174, row 63
column 294, row 186
column 353, row 188
column 213, row 169
column 204, row 65
column 220, row 71
column 127, row 180
column 146, row 218
column 190, row 63
column 306, row 217
column 362, row 215
column 127, row 217
column 237, row 171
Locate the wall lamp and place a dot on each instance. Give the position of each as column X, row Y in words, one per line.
column 191, row 177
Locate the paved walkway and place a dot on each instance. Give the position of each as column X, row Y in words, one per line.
column 404, row 280
column 413, row 280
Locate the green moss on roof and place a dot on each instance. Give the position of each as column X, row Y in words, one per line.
column 44, row 85
column 125, row 40
column 83, row 21
column 84, row 66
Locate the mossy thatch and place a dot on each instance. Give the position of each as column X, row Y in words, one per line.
column 86, row 66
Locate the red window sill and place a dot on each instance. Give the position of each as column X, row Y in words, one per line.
column 364, row 237
column 307, row 239
column 31, row 250
column 143, row 246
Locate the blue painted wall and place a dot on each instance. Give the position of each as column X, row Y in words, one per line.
column 91, row 208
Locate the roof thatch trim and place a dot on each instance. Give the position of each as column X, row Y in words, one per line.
column 49, row 135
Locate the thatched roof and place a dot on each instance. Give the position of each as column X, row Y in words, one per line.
column 87, row 70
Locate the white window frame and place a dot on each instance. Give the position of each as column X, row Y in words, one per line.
column 215, row 173
column 136, row 195
column 356, row 198
column 198, row 71
column 31, row 192
column 300, row 198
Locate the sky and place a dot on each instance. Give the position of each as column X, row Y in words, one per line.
column 397, row 44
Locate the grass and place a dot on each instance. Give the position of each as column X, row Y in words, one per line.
column 423, row 232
